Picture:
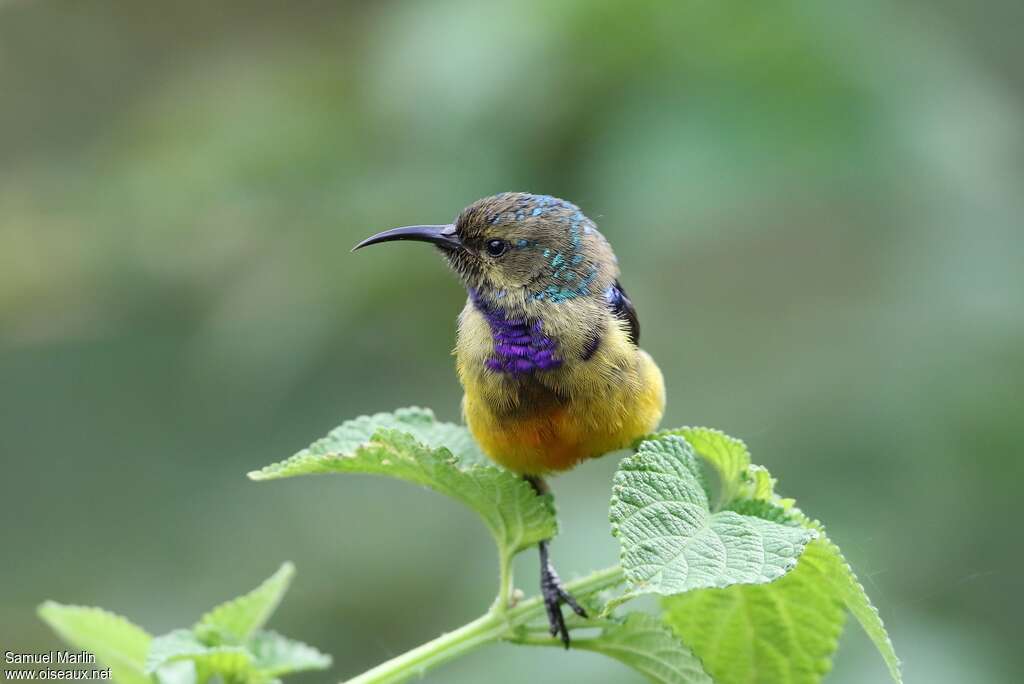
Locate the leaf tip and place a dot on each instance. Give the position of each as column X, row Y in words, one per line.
column 286, row 572
column 47, row 610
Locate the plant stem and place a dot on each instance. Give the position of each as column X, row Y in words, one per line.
column 499, row 623
column 505, row 587
column 419, row 660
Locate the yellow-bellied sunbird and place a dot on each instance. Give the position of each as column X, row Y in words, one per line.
column 547, row 344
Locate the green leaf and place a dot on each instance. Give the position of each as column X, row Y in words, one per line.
column 114, row 641
column 784, row 632
column 643, row 643
column 727, row 455
column 235, row 621
column 768, row 625
column 759, row 485
column 229, row 662
column 672, row 543
column 418, row 422
column 276, row 656
column 180, row 672
column 846, row 587
column 266, row 656
column 411, row 445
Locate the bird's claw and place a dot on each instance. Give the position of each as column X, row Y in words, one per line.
column 554, row 596
column 551, row 588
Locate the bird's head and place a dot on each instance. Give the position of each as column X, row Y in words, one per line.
column 522, row 247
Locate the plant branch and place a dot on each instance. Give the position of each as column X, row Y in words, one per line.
column 499, row 623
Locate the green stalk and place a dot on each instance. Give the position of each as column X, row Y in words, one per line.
column 499, row 623
column 419, row 661
column 505, row 582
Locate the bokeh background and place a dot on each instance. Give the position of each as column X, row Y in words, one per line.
column 817, row 207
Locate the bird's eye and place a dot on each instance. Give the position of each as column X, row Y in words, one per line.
column 496, row 247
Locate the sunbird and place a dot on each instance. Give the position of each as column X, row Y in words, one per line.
column 547, row 349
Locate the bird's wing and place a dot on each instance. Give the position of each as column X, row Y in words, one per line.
column 622, row 308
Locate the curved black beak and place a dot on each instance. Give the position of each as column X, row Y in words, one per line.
column 444, row 236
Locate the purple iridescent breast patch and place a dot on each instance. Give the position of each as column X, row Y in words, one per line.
column 520, row 345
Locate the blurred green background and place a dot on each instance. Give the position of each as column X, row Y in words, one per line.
column 817, row 207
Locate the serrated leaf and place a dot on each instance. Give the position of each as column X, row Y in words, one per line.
column 418, row 422
column 276, row 656
column 411, row 445
column 229, row 662
column 643, row 643
column 672, row 542
column 727, row 455
column 784, row 632
column 761, row 509
column 761, row 483
column 236, row 620
column 848, row 589
column 114, row 641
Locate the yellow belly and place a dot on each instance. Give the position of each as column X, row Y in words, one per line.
column 597, row 414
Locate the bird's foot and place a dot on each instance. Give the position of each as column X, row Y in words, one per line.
column 551, row 588
column 554, row 596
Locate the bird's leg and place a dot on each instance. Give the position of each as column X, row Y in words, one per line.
column 551, row 587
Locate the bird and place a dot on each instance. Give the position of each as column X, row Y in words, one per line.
column 547, row 347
